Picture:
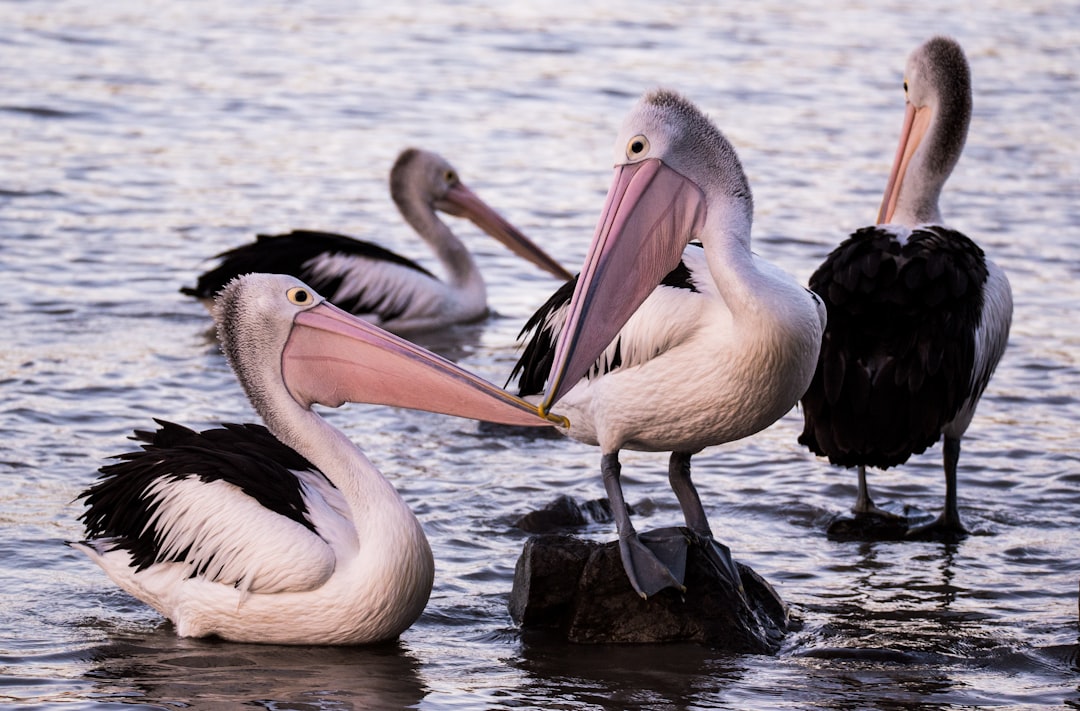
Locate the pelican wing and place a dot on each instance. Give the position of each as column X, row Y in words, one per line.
column 898, row 333
column 359, row 277
column 663, row 320
column 225, row 502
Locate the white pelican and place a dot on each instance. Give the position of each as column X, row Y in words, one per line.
column 285, row 534
column 376, row 284
column 665, row 346
column 918, row 316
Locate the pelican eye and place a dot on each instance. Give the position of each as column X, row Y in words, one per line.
column 450, row 176
column 905, row 86
column 299, row 296
column 637, row 147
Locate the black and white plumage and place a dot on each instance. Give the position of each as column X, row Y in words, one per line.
column 282, row 534
column 546, row 323
column 664, row 346
column 376, row 284
column 918, row 316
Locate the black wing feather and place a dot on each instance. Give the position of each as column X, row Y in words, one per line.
column 120, row 505
column 537, row 357
column 898, row 351
column 290, row 254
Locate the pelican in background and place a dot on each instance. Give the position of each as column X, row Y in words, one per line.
column 376, row 284
column 662, row 345
column 918, row 316
column 284, row 534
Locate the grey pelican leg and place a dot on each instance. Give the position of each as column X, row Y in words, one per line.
column 948, row 522
column 689, row 501
column 865, row 506
column 696, row 520
column 647, row 574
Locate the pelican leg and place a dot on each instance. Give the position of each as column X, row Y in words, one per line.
column 689, row 501
column 950, row 517
column 863, row 502
column 948, row 523
column 647, row 574
column 696, row 520
column 865, row 506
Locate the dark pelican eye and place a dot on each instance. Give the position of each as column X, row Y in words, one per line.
column 450, row 177
column 637, row 147
column 905, row 86
column 299, row 296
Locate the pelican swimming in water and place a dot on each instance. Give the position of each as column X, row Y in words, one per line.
column 284, row 534
column 664, row 345
column 376, row 284
column 918, row 316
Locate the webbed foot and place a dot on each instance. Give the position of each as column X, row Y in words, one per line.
column 895, row 514
column 658, row 558
column 943, row 528
column 720, row 555
column 647, row 572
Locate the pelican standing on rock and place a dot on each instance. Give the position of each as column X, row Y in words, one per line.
column 376, row 284
column 665, row 345
column 284, row 534
column 918, row 316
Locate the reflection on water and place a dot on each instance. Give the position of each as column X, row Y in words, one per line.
column 615, row 676
column 140, row 139
column 161, row 668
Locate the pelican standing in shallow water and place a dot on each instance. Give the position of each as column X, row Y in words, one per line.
column 376, row 284
column 918, row 316
column 286, row 534
column 667, row 346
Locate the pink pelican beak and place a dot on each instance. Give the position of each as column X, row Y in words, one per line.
column 460, row 201
column 332, row 357
column 650, row 214
column 916, row 121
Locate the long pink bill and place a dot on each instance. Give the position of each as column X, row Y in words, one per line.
column 333, row 357
column 914, row 128
column 650, row 214
column 460, row 201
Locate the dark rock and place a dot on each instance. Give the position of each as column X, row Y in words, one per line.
column 895, row 525
column 564, row 513
column 579, row 591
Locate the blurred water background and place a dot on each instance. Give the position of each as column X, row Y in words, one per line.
column 137, row 139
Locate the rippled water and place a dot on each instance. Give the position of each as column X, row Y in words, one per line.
column 139, row 138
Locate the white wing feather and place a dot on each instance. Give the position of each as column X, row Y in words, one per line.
column 227, row 537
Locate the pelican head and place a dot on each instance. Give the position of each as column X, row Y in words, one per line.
column 937, row 112
column 291, row 348
column 422, row 181
column 677, row 178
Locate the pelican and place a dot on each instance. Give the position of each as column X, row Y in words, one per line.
column 376, row 284
column 918, row 316
column 664, row 345
column 283, row 534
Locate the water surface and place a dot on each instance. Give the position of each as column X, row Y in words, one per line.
column 140, row 138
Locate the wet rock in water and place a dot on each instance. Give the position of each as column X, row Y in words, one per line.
column 894, row 525
column 564, row 512
column 578, row 590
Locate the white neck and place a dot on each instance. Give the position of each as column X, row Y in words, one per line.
column 934, row 160
column 461, row 269
column 921, row 188
column 731, row 264
column 375, row 505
